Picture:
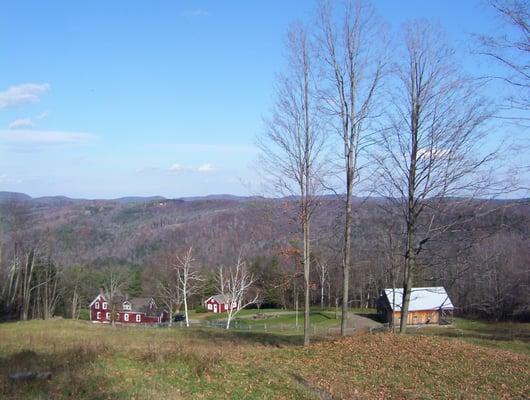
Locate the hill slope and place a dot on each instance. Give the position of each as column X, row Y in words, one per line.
column 90, row 362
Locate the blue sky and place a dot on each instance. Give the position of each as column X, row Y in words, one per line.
column 104, row 99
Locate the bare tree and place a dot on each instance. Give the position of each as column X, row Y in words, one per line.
column 323, row 274
column 168, row 290
column 511, row 50
column 292, row 145
column 353, row 55
column 76, row 285
column 188, row 277
column 238, row 282
column 220, row 280
column 115, row 280
column 432, row 155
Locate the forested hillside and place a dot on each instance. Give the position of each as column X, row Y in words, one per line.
column 483, row 262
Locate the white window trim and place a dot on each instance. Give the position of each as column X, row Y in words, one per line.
column 107, row 316
column 105, row 306
column 209, row 306
column 97, row 305
column 138, row 318
column 98, row 315
column 126, row 317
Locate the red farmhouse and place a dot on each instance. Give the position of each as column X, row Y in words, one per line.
column 219, row 303
column 128, row 311
column 100, row 310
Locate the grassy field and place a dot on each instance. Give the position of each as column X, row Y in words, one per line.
column 503, row 335
column 278, row 321
column 104, row 362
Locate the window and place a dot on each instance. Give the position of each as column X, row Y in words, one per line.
column 98, row 315
column 105, row 306
column 209, row 306
column 138, row 318
column 126, row 317
column 97, row 305
column 126, row 306
column 107, row 316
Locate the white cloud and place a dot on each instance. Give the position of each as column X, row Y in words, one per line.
column 23, row 138
column 6, row 179
column 21, row 124
column 21, row 94
column 204, row 168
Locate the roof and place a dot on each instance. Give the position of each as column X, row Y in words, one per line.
column 139, row 302
column 422, row 298
column 98, row 297
column 219, row 298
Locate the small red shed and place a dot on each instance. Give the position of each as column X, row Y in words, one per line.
column 219, row 303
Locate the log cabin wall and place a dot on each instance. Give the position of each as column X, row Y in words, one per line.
column 419, row 317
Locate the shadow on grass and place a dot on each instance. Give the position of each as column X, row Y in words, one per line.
column 72, row 375
column 497, row 336
column 234, row 336
column 372, row 316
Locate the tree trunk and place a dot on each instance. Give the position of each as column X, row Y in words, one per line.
column 186, row 306
column 306, row 281
column 322, row 289
column 170, row 316
column 347, row 249
column 74, row 304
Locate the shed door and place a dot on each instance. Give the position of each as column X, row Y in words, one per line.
column 215, row 308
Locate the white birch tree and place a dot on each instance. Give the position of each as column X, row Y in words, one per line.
column 189, row 278
column 238, row 282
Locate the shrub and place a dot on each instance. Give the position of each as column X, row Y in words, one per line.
column 84, row 314
column 200, row 309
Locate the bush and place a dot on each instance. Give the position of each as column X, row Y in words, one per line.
column 200, row 310
column 84, row 314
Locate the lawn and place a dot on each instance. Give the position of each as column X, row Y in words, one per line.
column 104, row 362
column 280, row 321
column 504, row 335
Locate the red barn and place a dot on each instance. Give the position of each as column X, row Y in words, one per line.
column 128, row 311
column 141, row 310
column 218, row 303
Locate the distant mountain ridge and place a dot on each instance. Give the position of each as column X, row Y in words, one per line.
column 17, row 196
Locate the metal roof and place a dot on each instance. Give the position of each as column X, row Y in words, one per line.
column 422, row 298
column 219, row 298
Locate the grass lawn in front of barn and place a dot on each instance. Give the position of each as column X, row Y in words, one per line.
column 90, row 361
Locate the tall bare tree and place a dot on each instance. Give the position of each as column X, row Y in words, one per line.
column 432, row 155
column 188, row 277
column 293, row 143
column 352, row 48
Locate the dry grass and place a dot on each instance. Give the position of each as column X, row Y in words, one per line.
column 102, row 362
